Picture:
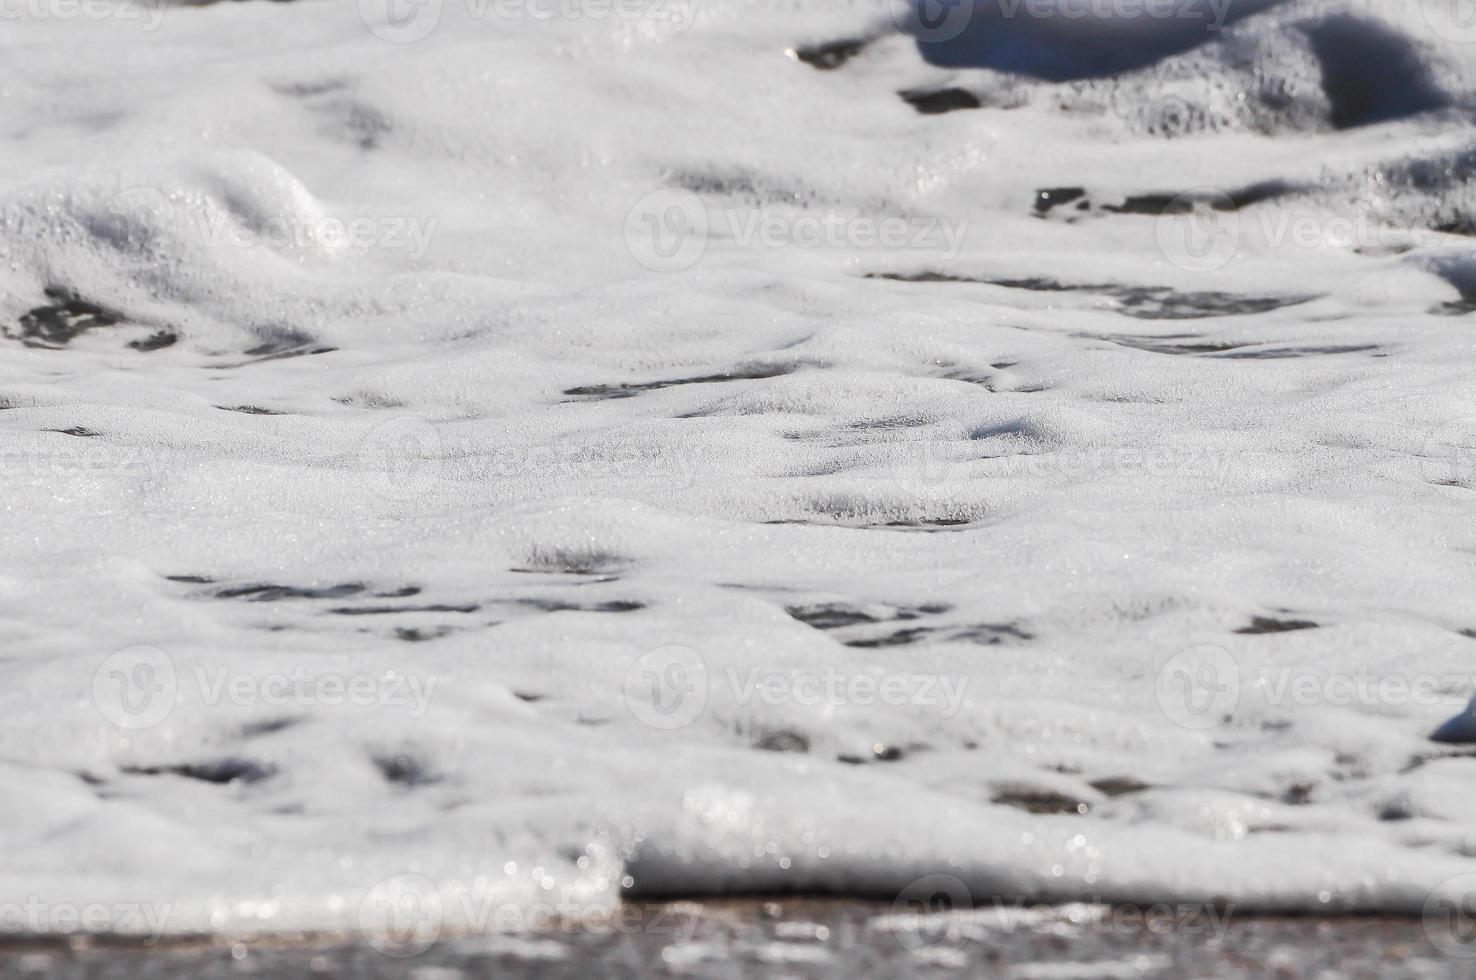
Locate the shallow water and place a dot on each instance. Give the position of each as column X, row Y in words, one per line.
column 812, row 939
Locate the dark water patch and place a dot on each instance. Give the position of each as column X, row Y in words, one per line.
column 1298, row 794
column 985, row 381
column 1277, row 353
column 1458, row 307
column 893, row 422
column 928, row 609
column 411, row 634
column 262, row 592
column 249, row 410
column 1268, row 624
column 1258, row 193
column 269, row 727
column 1157, row 204
column 924, row 276
column 404, row 769
column 278, row 343
column 1182, row 343
column 1159, row 303
column 830, row 615
column 751, row 186
column 58, row 323
column 361, row 124
column 628, row 390
column 897, row 638
column 560, row 605
column 878, row 753
column 570, row 561
column 981, row 634
column 830, row 55
column 838, row 615
column 395, row 610
column 782, row 740
column 1118, row 785
column 1419, row 761
column 529, row 697
column 278, row 355
column 569, row 571
column 156, row 341
column 218, row 771
column 1139, row 302
column 190, row 579
column 1054, row 45
column 369, row 399
column 1371, row 73
column 1045, row 801
column 1464, row 226
column 938, row 101
column 1050, row 198
column 401, row 593
column 992, row 634
column 278, row 340
column 310, row 89
column 930, row 523
column 80, row 432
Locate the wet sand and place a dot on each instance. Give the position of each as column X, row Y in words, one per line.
column 810, row 938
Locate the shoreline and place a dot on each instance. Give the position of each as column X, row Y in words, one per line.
column 807, row 936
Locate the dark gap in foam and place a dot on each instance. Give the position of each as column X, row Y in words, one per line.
column 628, row 390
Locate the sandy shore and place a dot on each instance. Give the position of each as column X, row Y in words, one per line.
column 809, row 938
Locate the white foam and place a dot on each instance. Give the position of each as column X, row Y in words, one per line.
column 1129, row 488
